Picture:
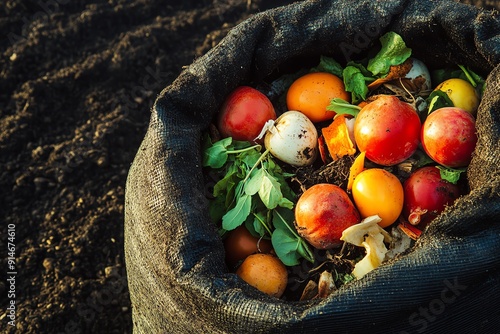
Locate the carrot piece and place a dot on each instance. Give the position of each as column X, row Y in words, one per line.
column 357, row 167
column 337, row 138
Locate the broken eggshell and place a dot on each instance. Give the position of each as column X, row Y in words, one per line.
column 419, row 76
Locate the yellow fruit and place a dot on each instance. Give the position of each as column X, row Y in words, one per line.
column 378, row 192
column 461, row 93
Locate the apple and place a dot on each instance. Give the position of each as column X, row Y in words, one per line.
column 322, row 213
column 426, row 195
column 244, row 113
column 449, row 136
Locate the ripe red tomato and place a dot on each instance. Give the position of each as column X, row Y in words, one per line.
column 388, row 130
column 240, row 243
column 426, row 194
column 449, row 136
column 244, row 113
column 322, row 213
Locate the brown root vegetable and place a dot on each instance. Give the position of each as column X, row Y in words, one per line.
column 264, row 272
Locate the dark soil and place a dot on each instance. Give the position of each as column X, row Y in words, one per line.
column 77, row 83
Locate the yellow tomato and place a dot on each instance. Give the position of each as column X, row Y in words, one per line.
column 461, row 93
column 378, row 192
column 312, row 93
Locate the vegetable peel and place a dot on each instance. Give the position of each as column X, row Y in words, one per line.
column 337, row 138
column 371, row 236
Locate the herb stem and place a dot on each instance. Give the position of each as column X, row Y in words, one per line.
column 263, row 224
column 244, row 149
column 262, row 157
column 288, row 226
column 469, row 77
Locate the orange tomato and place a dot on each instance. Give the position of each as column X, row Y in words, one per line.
column 264, row 272
column 378, row 192
column 312, row 93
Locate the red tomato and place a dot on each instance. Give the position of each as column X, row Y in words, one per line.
column 388, row 130
column 449, row 136
column 240, row 243
column 244, row 113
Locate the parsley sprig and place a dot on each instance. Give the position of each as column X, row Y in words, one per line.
column 252, row 190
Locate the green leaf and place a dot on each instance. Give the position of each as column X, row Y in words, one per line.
column 223, row 185
column 259, row 224
column 288, row 245
column 250, row 157
column 237, row 215
column 354, row 82
column 216, row 155
column 422, row 158
column 438, row 99
column 393, row 52
column 216, row 209
column 270, row 192
column 285, row 188
column 476, row 80
column 451, row 175
column 254, row 182
column 329, row 65
column 241, row 144
column 367, row 74
column 286, row 203
column 341, row 106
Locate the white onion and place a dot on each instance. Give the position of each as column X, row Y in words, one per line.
column 293, row 139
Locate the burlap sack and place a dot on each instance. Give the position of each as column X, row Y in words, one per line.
column 447, row 283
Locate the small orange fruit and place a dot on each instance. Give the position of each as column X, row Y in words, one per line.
column 264, row 272
column 378, row 192
column 312, row 93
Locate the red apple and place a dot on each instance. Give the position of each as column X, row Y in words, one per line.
column 322, row 213
column 426, row 195
column 244, row 113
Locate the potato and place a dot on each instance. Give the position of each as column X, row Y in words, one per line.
column 264, row 272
